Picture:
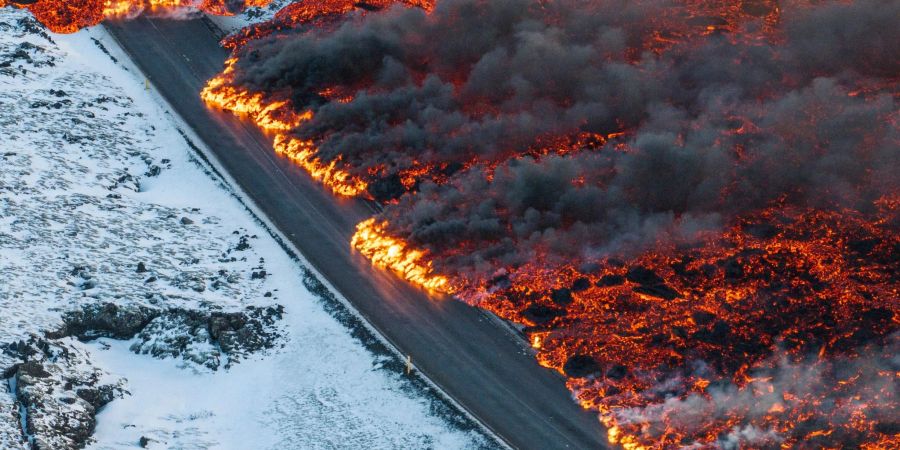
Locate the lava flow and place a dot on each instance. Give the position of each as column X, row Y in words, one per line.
column 691, row 207
column 277, row 117
column 395, row 254
column 69, row 16
column 780, row 332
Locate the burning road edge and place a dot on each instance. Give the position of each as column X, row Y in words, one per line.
column 691, row 207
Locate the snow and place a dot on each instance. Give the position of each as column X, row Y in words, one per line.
column 250, row 16
column 81, row 205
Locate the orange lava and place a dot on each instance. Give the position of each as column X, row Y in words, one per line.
column 383, row 250
column 279, row 118
column 69, row 16
column 726, row 326
column 276, row 115
column 775, row 332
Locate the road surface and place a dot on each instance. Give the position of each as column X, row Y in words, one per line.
column 482, row 366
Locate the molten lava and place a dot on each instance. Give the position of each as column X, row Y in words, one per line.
column 692, row 207
column 278, row 117
column 276, row 113
column 394, row 254
column 745, row 337
column 69, row 16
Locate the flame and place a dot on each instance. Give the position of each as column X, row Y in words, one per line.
column 618, row 324
column 271, row 116
column 276, row 115
column 383, row 250
column 69, row 16
column 279, row 118
column 304, row 154
column 738, row 303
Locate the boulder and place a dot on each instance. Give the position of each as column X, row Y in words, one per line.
column 643, row 276
column 561, row 297
column 105, row 320
column 580, row 366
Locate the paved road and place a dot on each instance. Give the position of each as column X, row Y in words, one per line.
column 481, row 365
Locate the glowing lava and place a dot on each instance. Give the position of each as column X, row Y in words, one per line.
column 279, row 118
column 383, row 250
column 692, row 211
column 69, row 16
column 741, row 339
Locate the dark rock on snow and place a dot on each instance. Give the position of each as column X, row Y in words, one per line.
column 59, row 391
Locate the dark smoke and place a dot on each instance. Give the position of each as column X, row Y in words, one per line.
column 495, row 99
column 720, row 125
column 485, row 81
column 682, row 175
column 473, row 79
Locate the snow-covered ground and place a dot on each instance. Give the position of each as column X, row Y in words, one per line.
column 103, row 201
column 249, row 16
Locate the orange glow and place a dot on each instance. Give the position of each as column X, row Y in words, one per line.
column 394, row 254
column 304, row 154
column 276, row 115
column 279, row 118
column 624, row 324
column 730, row 301
column 69, row 16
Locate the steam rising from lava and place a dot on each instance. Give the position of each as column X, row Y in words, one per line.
column 69, row 16
column 693, row 206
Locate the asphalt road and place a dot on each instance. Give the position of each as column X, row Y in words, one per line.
column 481, row 365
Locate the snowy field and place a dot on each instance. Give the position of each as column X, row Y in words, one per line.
column 102, row 201
column 250, row 16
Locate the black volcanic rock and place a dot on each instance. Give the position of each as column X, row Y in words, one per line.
column 58, row 391
column 642, row 275
column 702, row 317
column 104, row 320
column 501, row 282
column 762, row 230
column 878, row 316
column 718, row 333
column 617, row 372
column 540, row 314
column 579, row 366
column 610, row 280
column 581, row 284
column 863, row 246
column 562, row 297
column 734, row 271
column 662, row 291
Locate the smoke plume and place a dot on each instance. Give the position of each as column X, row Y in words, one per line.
column 692, row 206
column 716, row 125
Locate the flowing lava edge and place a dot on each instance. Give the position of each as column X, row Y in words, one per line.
column 668, row 305
column 277, row 118
column 619, row 331
column 69, row 16
column 276, row 114
column 395, row 254
column 694, row 301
